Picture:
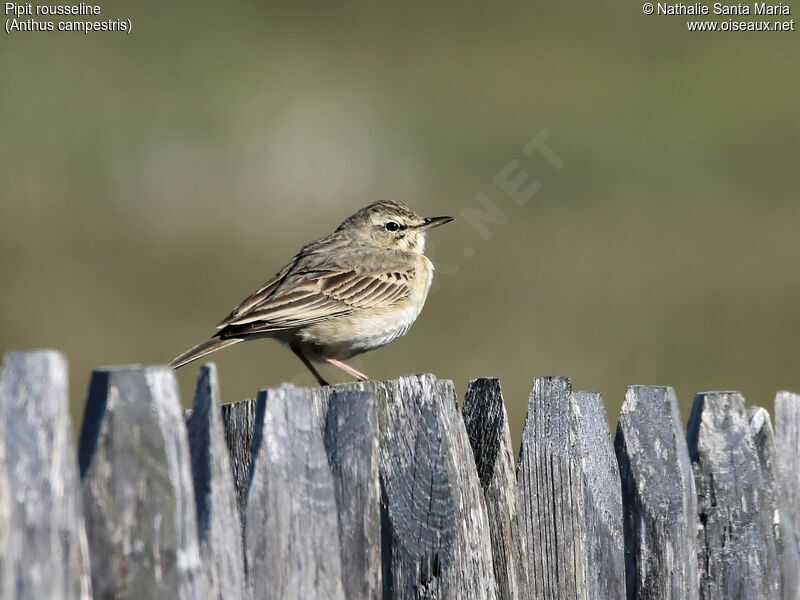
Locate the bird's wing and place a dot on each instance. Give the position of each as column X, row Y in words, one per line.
column 316, row 295
column 260, row 295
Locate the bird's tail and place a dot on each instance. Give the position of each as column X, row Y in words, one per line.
column 202, row 349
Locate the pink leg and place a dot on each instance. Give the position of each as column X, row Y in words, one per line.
column 309, row 366
column 347, row 369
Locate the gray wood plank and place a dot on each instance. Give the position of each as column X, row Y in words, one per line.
column 486, row 422
column 605, row 542
column 351, row 441
column 291, row 520
column 137, row 489
column 218, row 523
column 436, row 541
column 737, row 556
column 775, row 503
column 10, row 546
column 548, row 482
column 238, row 422
column 52, row 553
column 658, row 497
column 787, row 442
column 569, row 495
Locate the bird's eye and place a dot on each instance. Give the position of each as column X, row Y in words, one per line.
column 392, row 226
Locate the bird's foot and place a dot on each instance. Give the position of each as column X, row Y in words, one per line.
column 347, row 368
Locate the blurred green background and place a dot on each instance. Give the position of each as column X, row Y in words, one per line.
column 152, row 181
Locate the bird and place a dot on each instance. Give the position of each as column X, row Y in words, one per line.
column 355, row 290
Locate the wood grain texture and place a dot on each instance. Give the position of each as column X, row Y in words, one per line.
column 571, row 524
column 787, row 443
column 218, row 524
column 775, row 502
column 436, row 541
column 351, row 441
column 9, row 534
column 486, row 422
column 737, row 556
column 382, row 490
column 553, row 523
column 605, row 540
column 291, row 522
column 238, row 422
column 50, row 545
column 658, row 497
column 137, row 489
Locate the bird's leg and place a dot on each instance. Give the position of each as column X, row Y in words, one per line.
column 346, row 368
column 309, row 366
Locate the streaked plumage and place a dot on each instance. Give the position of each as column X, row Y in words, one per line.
column 350, row 292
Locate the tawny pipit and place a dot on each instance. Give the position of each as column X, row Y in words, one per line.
column 350, row 292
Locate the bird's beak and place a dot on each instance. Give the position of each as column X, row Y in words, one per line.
column 431, row 222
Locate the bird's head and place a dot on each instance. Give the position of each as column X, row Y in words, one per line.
column 391, row 225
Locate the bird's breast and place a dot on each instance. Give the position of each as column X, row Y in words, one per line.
column 371, row 328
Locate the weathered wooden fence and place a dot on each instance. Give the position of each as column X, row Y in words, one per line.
column 385, row 490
